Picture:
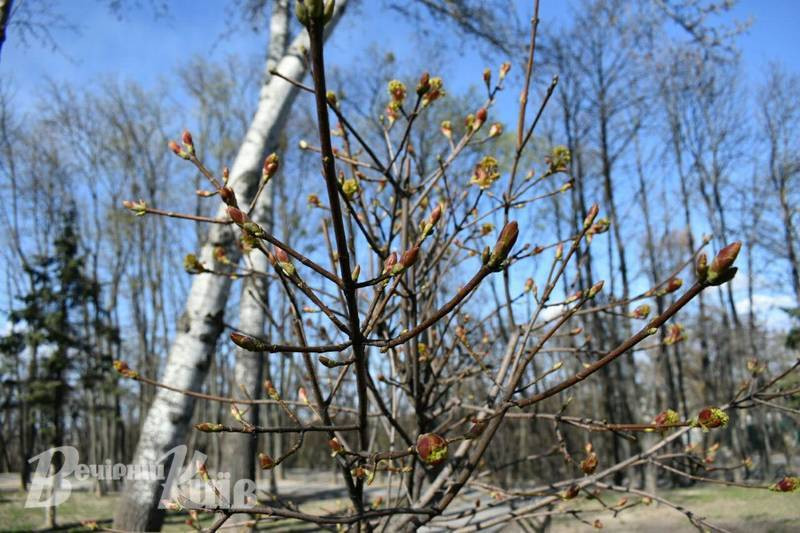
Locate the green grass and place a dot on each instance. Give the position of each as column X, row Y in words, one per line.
column 734, row 508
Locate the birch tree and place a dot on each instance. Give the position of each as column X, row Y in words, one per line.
column 201, row 323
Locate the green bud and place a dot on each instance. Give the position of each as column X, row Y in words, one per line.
column 254, row 229
column 301, row 12
column 327, row 15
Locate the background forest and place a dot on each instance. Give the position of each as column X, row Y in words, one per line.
column 666, row 124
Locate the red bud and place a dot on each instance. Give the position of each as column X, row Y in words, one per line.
column 410, row 257
column 186, row 138
column 432, row 448
column 265, row 461
column 176, row 149
column 712, row 417
column 281, row 255
column 589, row 464
column 787, row 484
column 237, row 216
column 247, row 342
column 228, row 196
column 723, row 261
column 508, row 236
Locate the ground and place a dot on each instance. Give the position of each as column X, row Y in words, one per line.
column 735, row 509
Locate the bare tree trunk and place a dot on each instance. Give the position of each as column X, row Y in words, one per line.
column 5, row 15
column 239, row 449
column 198, row 329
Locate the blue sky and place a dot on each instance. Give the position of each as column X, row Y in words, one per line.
column 137, row 45
column 141, row 46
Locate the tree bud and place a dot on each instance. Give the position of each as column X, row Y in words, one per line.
column 247, row 342
column 265, row 461
column 280, row 254
column 589, row 464
column 390, row 262
column 723, row 262
column 424, row 84
column 192, row 265
column 186, row 138
column 711, row 417
column 254, row 229
column 271, row 164
column 228, row 196
column 480, row 118
column 673, row 285
column 597, row 287
column 177, row 150
column 447, row 129
column 236, row 215
column 787, row 484
column 508, row 236
column 122, row 368
column 301, row 12
column 701, row 267
column 486, row 172
column 327, row 13
column 335, row 446
column 410, row 257
column 590, row 216
column 432, row 448
column 667, row 417
column 138, row 208
column 209, row 427
column 270, row 389
column 504, row 68
column 570, row 492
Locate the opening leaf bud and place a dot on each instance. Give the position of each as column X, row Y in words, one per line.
column 335, row 446
column 424, row 84
column 597, row 287
column 722, row 263
column 432, row 448
column 666, row 417
column 504, row 68
column 186, row 138
column 711, row 417
column 177, row 150
column 390, row 262
column 270, row 389
column 787, row 484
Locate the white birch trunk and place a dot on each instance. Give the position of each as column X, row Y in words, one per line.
column 199, row 327
column 239, row 449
